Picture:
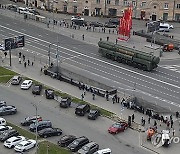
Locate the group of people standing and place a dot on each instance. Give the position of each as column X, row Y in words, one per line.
column 23, row 58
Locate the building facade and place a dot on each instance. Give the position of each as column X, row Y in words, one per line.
column 142, row 9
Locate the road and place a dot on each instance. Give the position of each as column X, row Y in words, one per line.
column 65, row 119
column 161, row 85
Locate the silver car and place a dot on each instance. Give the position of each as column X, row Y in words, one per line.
column 89, row 148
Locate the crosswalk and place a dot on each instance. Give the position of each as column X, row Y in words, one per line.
column 175, row 68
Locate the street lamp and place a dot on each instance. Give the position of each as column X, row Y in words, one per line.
column 9, row 46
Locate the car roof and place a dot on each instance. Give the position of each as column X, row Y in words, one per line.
column 16, row 77
column 90, row 144
column 26, row 81
column 14, row 137
column 104, row 150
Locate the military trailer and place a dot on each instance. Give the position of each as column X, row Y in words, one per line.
column 133, row 57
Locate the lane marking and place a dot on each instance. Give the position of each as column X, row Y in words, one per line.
column 131, row 71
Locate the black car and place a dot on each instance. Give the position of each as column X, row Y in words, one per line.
column 49, row 93
column 40, row 125
column 8, row 110
column 78, row 143
column 110, row 25
column 29, row 120
column 79, row 22
column 2, row 103
column 7, row 134
column 65, row 102
column 93, row 114
column 66, row 140
column 48, row 132
column 37, row 89
column 114, row 21
column 81, row 110
column 96, row 24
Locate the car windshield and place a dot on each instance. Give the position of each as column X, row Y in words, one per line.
column 36, row 87
column 14, row 79
column 85, row 148
column 20, row 145
column 24, row 83
column 76, row 142
column 92, row 111
column 116, row 125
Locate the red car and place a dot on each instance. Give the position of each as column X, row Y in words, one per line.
column 118, row 127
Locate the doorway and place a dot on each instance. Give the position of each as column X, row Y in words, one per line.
column 154, row 17
column 86, row 12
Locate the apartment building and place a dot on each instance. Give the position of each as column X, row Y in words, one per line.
column 142, row 9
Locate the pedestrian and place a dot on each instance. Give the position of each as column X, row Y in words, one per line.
column 82, row 96
column 32, row 63
column 23, row 57
column 41, row 69
column 5, row 54
column 142, row 120
column 84, row 92
column 107, row 97
column 170, row 117
column 20, row 54
column 19, row 60
column 173, row 131
column 172, row 123
column 155, row 123
column 113, row 100
column 93, row 95
column 116, row 41
column 118, row 98
column 177, row 114
column 168, row 123
column 25, row 64
column 28, row 62
column 133, row 118
column 149, row 120
column 109, row 31
column 83, row 37
column 107, row 38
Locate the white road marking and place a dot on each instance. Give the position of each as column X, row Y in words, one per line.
column 96, row 59
column 23, row 30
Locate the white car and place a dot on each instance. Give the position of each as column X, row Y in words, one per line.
column 4, row 128
column 25, row 145
column 13, row 141
column 76, row 18
column 26, row 84
column 104, row 151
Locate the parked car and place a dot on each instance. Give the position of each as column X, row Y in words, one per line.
column 118, row 127
column 8, row 110
column 79, row 22
column 37, row 89
column 78, row 143
column 114, row 21
column 11, row 142
column 16, row 80
column 2, row 122
column 49, row 93
column 12, row 7
column 40, row 125
column 65, row 102
column 81, row 110
column 93, row 114
column 26, row 84
column 109, row 25
column 25, row 145
column 89, row 148
column 96, row 24
column 104, row 151
column 48, row 132
column 76, row 18
column 7, row 134
column 66, row 140
column 29, row 120
column 4, row 128
column 2, row 103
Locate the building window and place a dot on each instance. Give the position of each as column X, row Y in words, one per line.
column 154, row 6
column 125, row 3
column 116, row 2
column 98, row 1
column 165, row 5
column 133, row 3
column 143, row 4
column 75, row 9
column 178, row 6
column 86, row 1
column 108, row 1
column 65, row 8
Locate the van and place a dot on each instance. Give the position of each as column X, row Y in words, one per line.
column 22, row 10
column 2, row 122
column 165, row 27
column 81, row 110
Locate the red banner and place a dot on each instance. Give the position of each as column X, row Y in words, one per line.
column 125, row 25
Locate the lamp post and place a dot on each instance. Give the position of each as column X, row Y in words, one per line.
column 36, row 125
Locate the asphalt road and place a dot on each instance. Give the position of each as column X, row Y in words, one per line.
column 161, row 86
column 65, row 119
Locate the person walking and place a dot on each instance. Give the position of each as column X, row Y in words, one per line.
column 107, row 38
column 107, row 97
column 28, row 62
column 32, row 63
column 82, row 96
column 23, row 57
column 25, row 64
column 149, row 120
column 173, row 132
column 5, row 54
column 142, row 120
column 19, row 60
column 133, row 118
column 83, row 37
column 155, row 123
column 172, row 122
column 20, row 54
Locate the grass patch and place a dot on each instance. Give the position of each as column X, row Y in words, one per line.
column 4, row 71
column 5, row 79
column 22, row 131
column 53, row 149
